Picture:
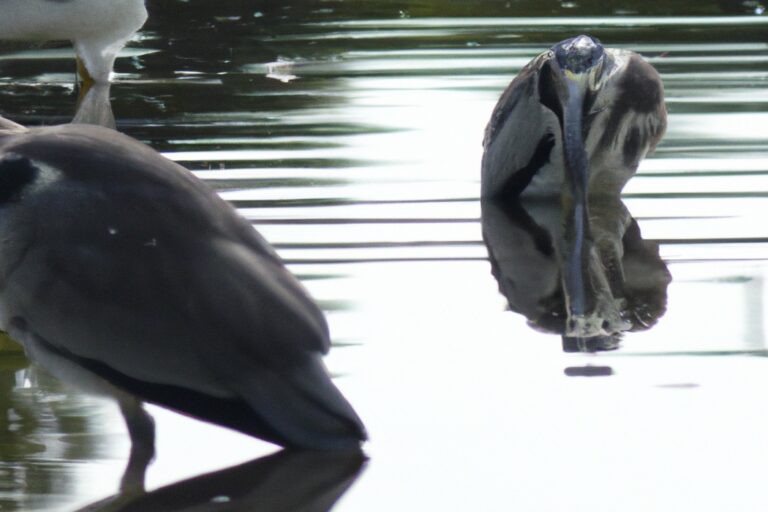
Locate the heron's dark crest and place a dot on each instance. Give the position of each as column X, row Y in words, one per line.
column 578, row 54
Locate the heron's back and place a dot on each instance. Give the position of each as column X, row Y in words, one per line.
column 122, row 261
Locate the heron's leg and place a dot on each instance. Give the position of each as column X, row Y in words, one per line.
column 141, row 428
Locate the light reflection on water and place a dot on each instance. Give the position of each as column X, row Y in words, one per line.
column 363, row 170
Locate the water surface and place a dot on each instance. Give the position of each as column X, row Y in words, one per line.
column 351, row 136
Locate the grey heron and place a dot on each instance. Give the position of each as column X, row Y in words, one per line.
column 574, row 125
column 98, row 29
column 122, row 272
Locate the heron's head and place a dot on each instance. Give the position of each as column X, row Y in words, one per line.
column 569, row 78
column 574, row 69
column 579, row 58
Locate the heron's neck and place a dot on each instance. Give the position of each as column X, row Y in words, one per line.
column 577, row 225
column 576, row 158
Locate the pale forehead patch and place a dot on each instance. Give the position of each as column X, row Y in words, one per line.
column 580, row 43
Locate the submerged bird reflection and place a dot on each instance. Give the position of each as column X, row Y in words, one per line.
column 43, row 429
column 311, row 481
column 35, row 408
column 625, row 280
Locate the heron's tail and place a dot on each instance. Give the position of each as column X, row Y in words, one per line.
column 303, row 408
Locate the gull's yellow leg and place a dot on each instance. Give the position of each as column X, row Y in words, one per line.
column 85, row 80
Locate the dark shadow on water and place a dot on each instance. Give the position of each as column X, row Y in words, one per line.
column 626, row 279
column 297, row 481
column 588, row 371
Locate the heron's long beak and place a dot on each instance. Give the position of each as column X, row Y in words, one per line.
column 577, row 179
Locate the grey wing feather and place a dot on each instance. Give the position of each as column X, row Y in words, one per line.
column 253, row 298
column 515, row 130
column 519, row 90
column 637, row 116
column 143, row 251
column 273, row 357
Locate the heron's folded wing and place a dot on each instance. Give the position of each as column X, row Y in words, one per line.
column 518, row 139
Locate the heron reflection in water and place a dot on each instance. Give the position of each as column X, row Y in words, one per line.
column 98, row 30
column 572, row 127
column 629, row 280
column 123, row 273
column 289, row 480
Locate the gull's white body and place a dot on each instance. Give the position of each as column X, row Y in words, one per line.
column 98, row 29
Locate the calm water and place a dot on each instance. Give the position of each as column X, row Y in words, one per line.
column 351, row 136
